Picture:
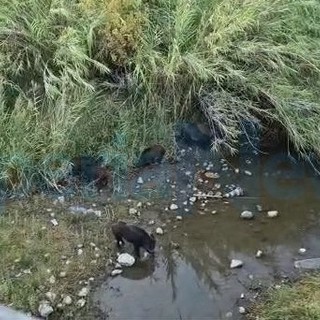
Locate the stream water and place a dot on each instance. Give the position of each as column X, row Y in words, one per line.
column 195, row 281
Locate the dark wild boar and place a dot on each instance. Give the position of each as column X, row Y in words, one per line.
column 135, row 235
column 151, row 155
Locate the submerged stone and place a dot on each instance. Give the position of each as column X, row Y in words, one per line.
column 310, row 264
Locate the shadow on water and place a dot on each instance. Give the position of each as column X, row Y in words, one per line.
column 195, row 281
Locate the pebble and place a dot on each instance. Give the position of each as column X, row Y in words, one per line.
column 236, row 170
column 179, row 218
column 52, row 279
column 259, row 254
column 115, row 272
column 229, row 315
column 211, row 175
column 51, row 296
column 272, row 213
column 45, row 309
column 236, row 264
column 67, row 300
column 81, row 303
column 159, row 231
column 54, row 222
column 125, row 259
column 140, row 180
column 62, row 274
column 80, row 252
column 133, row 211
column 246, row 214
column 259, row 207
column 151, row 222
column 173, row 206
column 214, row 212
column 117, row 266
column 61, row 199
column 248, row 173
column 193, row 199
column 242, row 296
column 302, row 250
column 139, row 204
column 242, row 310
column 83, row 292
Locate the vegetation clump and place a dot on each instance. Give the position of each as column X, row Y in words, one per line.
column 112, row 77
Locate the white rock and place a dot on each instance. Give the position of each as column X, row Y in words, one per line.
column 81, row 303
column 242, row 310
column 83, row 292
column 302, row 250
column 272, row 213
column 98, row 213
column 214, row 212
column 115, row 272
column 236, row 264
column 151, row 222
column 80, row 252
column 117, row 266
column 61, row 199
column 211, row 175
column 52, row 279
column 236, row 170
column 125, row 259
column 173, row 206
column 139, row 204
column 246, row 214
column 45, row 309
column 54, row 222
column 159, row 231
column 62, row 274
column 67, row 300
column 259, row 254
column 179, row 218
column 242, row 296
column 51, row 296
column 193, row 199
column 248, row 173
column 229, row 315
column 140, row 180
column 133, row 211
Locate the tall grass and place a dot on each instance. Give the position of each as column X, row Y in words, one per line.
column 110, row 77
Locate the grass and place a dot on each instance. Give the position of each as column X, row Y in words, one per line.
column 34, row 252
column 112, row 77
column 291, row 302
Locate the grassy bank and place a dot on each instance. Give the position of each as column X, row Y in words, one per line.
column 43, row 261
column 111, row 77
column 291, row 302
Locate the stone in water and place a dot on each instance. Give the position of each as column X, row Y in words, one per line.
column 272, row 213
column 173, row 206
column 310, row 264
column 45, row 309
column 246, row 214
column 125, row 259
column 115, row 272
column 236, row 264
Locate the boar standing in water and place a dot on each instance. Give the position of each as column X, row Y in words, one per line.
column 137, row 236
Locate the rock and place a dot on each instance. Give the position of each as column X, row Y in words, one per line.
column 81, row 303
column 125, row 259
column 45, row 309
column 67, row 300
column 272, row 213
column 80, row 252
column 62, row 274
column 259, row 207
column 302, row 250
column 310, row 264
column 236, row 170
column 61, row 199
column 229, row 315
column 242, row 296
column 179, row 218
column 133, row 211
column 214, row 212
column 159, row 231
column 140, row 180
column 236, row 264
column 175, row 245
column 242, row 310
column 83, row 292
column 173, row 206
column 259, row 254
column 116, row 272
column 51, row 296
column 248, row 173
column 211, row 175
column 78, row 209
column 151, row 222
column 246, row 215
column 193, row 199
column 54, row 222
column 52, row 279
